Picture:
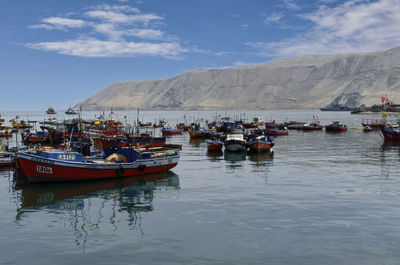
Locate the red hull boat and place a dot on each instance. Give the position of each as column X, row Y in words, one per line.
column 276, row 132
column 389, row 134
column 170, row 131
column 261, row 144
column 199, row 133
column 214, row 146
column 6, row 161
column 336, row 127
column 58, row 166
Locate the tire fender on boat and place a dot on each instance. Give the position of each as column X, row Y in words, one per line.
column 141, row 167
column 120, row 171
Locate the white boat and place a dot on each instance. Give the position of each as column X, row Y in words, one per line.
column 235, row 143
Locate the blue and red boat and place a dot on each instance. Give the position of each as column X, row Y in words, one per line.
column 6, row 161
column 390, row 134
column 261, row 144
column 336, row 127
column 214, row 145
column 62, row 165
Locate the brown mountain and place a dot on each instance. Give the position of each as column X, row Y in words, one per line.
column 309, row 81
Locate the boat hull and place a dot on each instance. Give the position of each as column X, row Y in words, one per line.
column 198, row 134
column 214, row 147
column 171, row 132
column 335, row 129
column 6, row 161
column 390, row 134
column 260, row 146
column 277, row 132
column 37, row 169
column 235, row 146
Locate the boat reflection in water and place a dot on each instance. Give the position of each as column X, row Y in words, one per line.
column 235, row 156
column 261, row 157
column 136, row 189
column 85, row 208
column 197, row 142
column 234, row 160
column 214, row 155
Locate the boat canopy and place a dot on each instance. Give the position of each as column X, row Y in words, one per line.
column 238, row 137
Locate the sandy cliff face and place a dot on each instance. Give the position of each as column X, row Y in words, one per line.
column 309, row 81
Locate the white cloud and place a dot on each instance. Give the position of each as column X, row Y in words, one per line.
column 243, row 26
column 98, row 48
column 59, row 23
column 119, row 25
column 274, row 18
column 117, row 8
column 354, row 26
column 291, row 4
column 149, row 34
column 121, row 14
column 109, row 30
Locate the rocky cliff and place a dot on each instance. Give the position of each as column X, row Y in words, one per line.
column 309, row 81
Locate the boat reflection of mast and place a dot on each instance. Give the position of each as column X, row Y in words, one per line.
column 77, row 209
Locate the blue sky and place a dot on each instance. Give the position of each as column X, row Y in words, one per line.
column 59, row 52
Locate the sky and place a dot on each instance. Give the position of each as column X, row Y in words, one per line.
column 60, row 52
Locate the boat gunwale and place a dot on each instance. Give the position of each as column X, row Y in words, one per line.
column 92, row 166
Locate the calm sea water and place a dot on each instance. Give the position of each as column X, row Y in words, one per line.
column 322, row 198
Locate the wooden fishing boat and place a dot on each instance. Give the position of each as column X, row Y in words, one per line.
column 235, row 143
column 160, row 124
column 261, row 144
column 255, row 123
column 20, row 124
column 274, row 126
column 6, row 161
column 390, row 134
column 214, row 145
column 185, row 126
column 50, row 110
column 295, row 125
column 71, row 111
column 375, row 124
column 336, row 127
column 314, row 126
column 62, row 165
column 145, row 124
column 276, row 132
column 170, row 131
column 5, row 133
column 201, row 133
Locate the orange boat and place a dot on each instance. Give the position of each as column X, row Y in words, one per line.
column 199, row 133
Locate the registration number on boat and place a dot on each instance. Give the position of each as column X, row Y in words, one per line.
column 46, row 170
column 66, row 157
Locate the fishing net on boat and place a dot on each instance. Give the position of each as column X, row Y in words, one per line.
column 116, row 158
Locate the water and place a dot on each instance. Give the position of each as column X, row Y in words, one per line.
column 322, row 198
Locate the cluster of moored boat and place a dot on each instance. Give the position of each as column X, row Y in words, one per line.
column 79, row 149
column 238, row 136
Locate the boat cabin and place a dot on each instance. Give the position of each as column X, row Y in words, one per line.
column 61, row 155
column 238, row 137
